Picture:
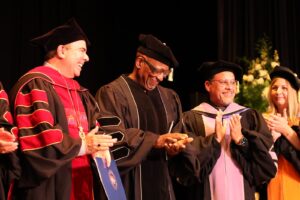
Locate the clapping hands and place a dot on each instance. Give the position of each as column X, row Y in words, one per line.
column 278, row 125
column 234, row 125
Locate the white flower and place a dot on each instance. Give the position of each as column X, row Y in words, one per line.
column 254, row 82
column 274, row 64
column 257, row 66
column 245, row 77
column 263, row 62
column 263, row 73
column 250, row 77
column 260, row 81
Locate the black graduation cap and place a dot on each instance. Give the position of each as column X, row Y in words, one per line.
column 154, row 48
column 208, row 69
column 286, row 73
column 64, row 34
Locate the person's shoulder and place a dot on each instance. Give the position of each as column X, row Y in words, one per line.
column 190, row 112
column 251, row 112
column 33, row 79
column 191, row 116
column 39, row 72
column 241, row 108
column 113, row 85
column 33, row 75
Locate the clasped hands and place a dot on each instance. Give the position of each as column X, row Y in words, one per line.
column 7, row 141
column 173, row 142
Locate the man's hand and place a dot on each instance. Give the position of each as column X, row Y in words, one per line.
column 98, row 142
column 220, row 127
column 105, row 156
column 168, row 139
column 235, row 128
column 177, row 147
column 7, row 141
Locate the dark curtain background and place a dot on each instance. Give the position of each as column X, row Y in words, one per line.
column 196, row 31
column 242, row 22
column 113, row 27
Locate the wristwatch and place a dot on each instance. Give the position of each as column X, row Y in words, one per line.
column 243, row 142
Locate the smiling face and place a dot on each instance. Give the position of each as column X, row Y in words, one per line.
column 150, row 72
column 221, row 88
column 279, row 93
column 74, row 57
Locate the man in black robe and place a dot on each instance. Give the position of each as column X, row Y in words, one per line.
column 57, row 121
column 232, row 141
column 148, row 112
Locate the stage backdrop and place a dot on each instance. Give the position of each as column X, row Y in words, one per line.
column 196, row 31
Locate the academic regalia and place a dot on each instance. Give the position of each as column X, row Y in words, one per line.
column 227, row 170
column 9, row 162
column 47, row 107
column 286, row 183
column 143, row 116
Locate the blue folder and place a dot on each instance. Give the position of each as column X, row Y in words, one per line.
column 111, row 180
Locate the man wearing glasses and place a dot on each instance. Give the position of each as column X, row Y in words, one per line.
column 148, row 112
column 232, row 141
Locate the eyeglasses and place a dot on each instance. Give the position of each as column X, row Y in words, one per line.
column 224, row 83
column 156, row 71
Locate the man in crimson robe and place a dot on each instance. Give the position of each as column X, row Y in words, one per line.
column 57, row 121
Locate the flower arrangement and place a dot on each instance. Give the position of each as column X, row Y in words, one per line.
column 253, row 91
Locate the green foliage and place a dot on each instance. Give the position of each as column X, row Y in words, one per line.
column 253, row 90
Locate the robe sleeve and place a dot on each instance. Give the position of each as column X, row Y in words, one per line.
column 6, row 119
column 133, row 144
column 45, row 145
column 9, row 162
column 207, row 149
column 256, row 159
column 284, row 147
